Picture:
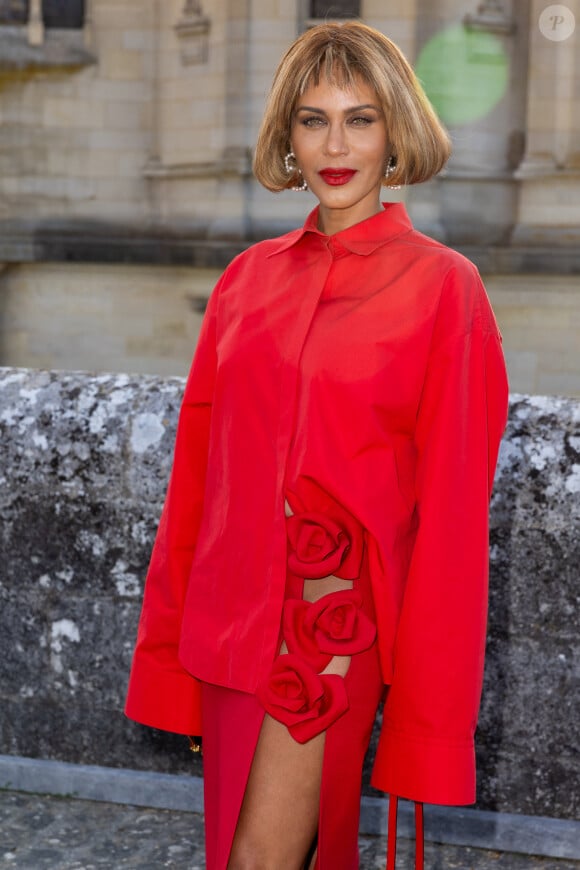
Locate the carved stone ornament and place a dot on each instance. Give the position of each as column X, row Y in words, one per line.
column 492, row 17
column 192, row 30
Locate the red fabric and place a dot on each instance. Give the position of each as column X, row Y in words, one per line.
column 298, row 638
column 333, row 625
column 232, row 722
column 339, row 624
column 392, row 834
column 319, row 546
column 419, row 837
column 306, row 702
column 365, row 368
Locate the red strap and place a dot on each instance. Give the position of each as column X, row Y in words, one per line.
column 392, row 834
column 419, row 837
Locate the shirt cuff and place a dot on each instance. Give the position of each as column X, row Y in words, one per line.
column 420, row 769
column 168, row 700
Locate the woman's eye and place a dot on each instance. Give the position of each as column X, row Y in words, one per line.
column 313, row 121
column 361, row 121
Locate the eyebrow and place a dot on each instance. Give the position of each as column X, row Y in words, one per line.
column 346, row 111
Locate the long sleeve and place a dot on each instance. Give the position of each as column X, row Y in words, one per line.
column 426, row 750
column 161, row 692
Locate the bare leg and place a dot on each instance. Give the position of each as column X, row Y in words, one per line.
column 278, row 820
column 279, row 816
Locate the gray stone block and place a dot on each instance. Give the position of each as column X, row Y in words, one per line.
column 505, row 832
column 84, row 466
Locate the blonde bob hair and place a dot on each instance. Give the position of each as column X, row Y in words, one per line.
column 341, row 54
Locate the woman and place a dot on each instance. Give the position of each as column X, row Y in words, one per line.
column 324, row 538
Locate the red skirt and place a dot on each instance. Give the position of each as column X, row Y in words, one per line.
column 232, row 722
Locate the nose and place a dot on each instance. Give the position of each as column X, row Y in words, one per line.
column 336, row 143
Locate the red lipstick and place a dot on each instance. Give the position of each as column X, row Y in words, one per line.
column 336, row 177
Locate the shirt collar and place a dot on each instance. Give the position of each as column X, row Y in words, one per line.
column 362, row 238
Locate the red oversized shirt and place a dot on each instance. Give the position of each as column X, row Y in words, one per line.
column 369, row 363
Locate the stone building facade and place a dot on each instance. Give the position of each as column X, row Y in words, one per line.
column 126, row 132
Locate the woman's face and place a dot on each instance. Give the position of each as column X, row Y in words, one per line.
column 339, row 137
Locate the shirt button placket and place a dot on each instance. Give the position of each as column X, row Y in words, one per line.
column 306, row 305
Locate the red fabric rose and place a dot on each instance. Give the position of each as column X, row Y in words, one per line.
column 301, row 699
column 319, row 545
column 332, row 705
column 334, row 625
column 300, row 639
column 339, row 624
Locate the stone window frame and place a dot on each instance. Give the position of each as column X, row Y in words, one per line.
column 345, row 13
column 31, row 45
column 35, row 25
column 310, row 16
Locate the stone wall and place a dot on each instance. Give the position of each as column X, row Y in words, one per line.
column 539, row 318
column 125, row 172
column 115, row 318
column 145, row 319
column 84, row 465
column 148, row 117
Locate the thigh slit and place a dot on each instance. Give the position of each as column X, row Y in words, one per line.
column 232, row 726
